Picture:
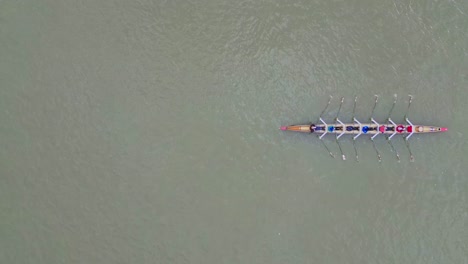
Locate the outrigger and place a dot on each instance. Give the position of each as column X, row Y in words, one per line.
column 389, row 129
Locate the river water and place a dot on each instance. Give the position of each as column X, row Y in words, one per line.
column 147, row 131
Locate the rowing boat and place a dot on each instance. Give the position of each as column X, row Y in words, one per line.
column 389, row 129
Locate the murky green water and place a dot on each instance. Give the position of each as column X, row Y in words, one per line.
column 147, row 132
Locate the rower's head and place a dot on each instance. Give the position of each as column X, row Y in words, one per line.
column 312, row 128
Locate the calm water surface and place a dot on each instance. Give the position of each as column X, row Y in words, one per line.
column 147, row 131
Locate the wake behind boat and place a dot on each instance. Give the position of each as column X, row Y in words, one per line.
column 389, row 129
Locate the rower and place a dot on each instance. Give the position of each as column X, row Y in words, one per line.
column 312, row 128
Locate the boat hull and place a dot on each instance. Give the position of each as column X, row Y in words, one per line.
column 364, row 128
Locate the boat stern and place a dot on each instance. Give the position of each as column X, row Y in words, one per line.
column 297, row 128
